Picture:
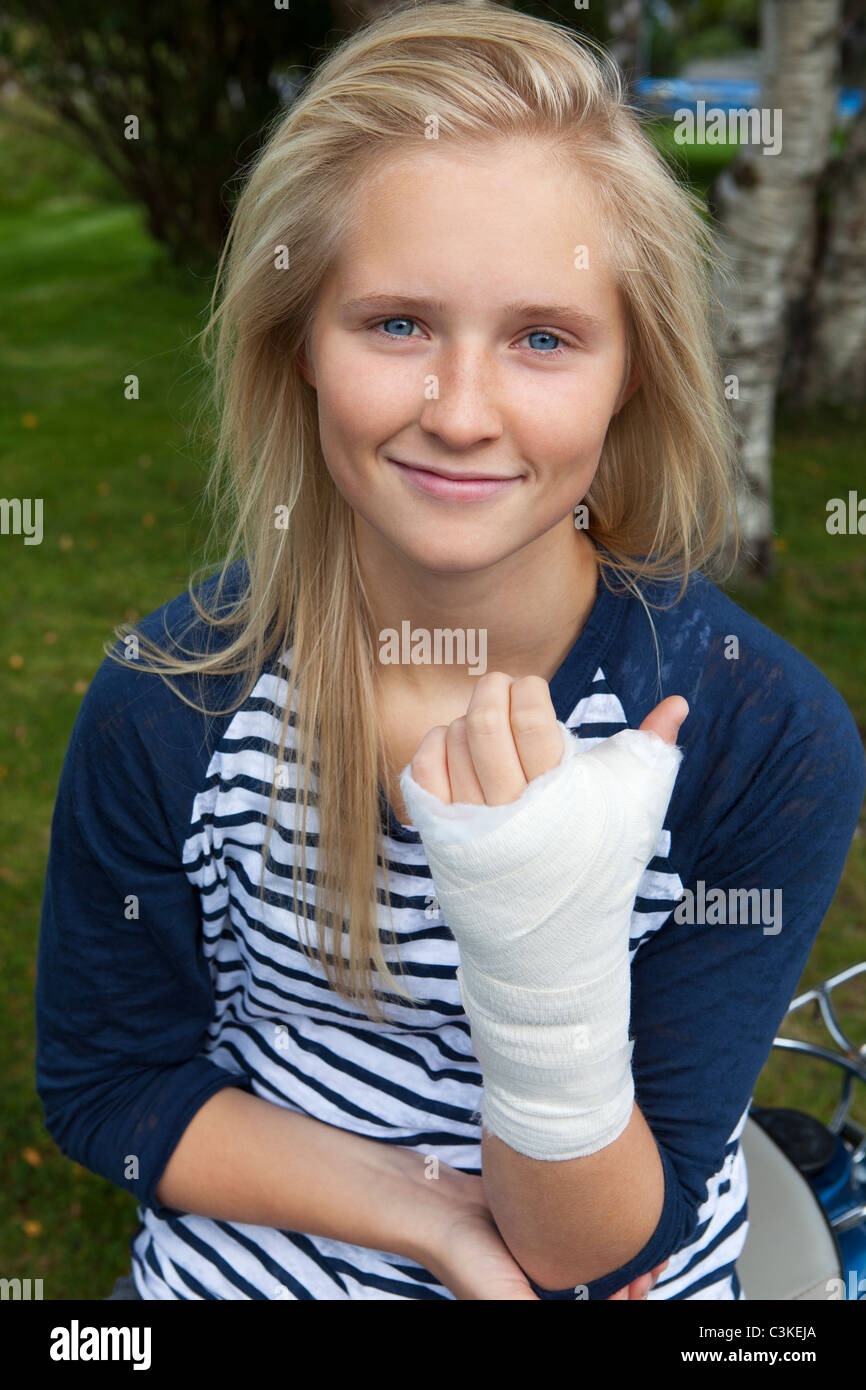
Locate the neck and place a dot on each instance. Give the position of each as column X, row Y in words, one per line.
column 521, row 616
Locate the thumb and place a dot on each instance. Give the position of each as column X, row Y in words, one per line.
column 666, row 718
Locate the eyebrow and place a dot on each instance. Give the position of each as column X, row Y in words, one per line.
column 514, row 309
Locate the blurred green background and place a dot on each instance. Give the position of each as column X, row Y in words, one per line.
column 90, row 297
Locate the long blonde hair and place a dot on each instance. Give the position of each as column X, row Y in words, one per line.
column 661, row 504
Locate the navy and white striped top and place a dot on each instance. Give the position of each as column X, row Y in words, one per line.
column 141, row 1019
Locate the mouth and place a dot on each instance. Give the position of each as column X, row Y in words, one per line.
column 466, row 486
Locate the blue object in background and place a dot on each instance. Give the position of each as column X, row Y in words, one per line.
column 667, row 95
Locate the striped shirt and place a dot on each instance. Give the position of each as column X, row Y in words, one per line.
column 144, row 1011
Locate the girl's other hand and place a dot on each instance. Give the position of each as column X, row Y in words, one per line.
column 471, row 1258
column 639, row 1288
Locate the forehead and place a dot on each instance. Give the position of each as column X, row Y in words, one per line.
column 514, row 208
column 468, row 171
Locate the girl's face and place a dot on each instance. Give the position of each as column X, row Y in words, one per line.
column 470, row 324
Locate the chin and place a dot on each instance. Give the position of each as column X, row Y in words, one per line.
column 457, row 559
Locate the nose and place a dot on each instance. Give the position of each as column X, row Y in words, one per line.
column 461, row 398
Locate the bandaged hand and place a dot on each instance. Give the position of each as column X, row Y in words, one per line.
column 537, row 886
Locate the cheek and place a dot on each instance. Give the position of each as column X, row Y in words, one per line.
column 565, row 430
column 359, row 402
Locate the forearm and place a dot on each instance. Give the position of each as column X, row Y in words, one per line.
column 244, row 1159
column 539, row 892
column 573, row 1221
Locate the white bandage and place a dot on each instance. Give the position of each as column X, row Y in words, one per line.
column 538, row 895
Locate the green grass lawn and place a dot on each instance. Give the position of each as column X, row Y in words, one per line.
column 89, row 301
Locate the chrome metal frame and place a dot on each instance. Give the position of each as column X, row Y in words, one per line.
column 852, row 1061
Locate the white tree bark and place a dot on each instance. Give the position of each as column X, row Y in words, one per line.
column 765, row 204
column 836, row 366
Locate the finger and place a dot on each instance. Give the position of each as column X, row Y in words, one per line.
column 537, row 736
column 666, row 718
column 620, row 1296
column 491, row 742
column 429, row 766
column 465, row 785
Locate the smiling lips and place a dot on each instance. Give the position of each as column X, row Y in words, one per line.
column 468, row 489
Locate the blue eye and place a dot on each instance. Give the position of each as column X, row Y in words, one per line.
column 543, row 333
column 395, row 319
column 535, row 333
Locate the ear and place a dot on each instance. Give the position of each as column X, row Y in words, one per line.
column 628, row 389
column 304, row 366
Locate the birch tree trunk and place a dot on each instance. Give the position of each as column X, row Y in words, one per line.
column 765, row 204
column 834, row 369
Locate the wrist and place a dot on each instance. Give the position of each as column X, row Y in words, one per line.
column 548, row 1038
column 555, row 1064
column 565, row 1122
column 426, row 1194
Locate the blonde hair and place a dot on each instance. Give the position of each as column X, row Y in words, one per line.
column 660, row 505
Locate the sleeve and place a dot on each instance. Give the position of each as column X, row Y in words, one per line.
column 123, row 996
column 708, row 997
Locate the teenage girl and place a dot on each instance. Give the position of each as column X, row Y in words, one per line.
column 378, row 979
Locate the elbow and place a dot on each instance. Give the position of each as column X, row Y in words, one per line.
column 65, row 1113
column 666, row 1226
column 64, row 1127
column 579, row 1270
